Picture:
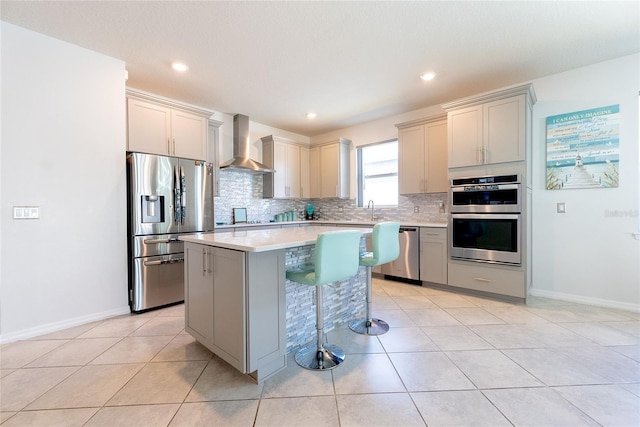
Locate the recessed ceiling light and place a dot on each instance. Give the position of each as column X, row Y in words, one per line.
column 428, row 76
column 179, row 66
column 311, row 115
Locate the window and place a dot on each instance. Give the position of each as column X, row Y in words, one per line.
column 378, row 173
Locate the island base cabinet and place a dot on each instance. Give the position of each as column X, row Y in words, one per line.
column 494, row 279
column 229, row 315
column 198, row 296
column 266, row 313
column 235, row 306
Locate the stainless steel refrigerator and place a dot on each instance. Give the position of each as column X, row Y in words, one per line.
column 167, row 196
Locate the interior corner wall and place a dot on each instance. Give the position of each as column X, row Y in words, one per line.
column 589, row 253
column 63, row 150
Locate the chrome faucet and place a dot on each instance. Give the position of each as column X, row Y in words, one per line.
column 373, row 210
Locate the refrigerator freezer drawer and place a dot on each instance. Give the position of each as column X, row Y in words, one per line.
column 145, row 246
column 157, row 281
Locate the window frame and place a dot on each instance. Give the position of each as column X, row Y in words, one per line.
column 360, row 176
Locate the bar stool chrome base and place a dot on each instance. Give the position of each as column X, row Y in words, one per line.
column 369, row 327
column 327, row 357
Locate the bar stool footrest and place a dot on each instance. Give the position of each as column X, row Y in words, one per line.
column 369, row 327
column 325, row 358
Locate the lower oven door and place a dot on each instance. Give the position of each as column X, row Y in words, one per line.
column 157, row 281
column 486, row 237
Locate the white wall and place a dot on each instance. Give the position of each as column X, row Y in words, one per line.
column 588, row 254
column 63, row 149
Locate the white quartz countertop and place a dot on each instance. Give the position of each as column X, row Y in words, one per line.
column 263, row 240
column 358, row 223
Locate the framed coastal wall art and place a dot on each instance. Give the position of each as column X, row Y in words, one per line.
column 583, row 149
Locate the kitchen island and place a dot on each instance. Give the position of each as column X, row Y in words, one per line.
column 239, row 304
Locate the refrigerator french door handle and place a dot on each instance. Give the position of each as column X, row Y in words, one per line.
column 183, row 195
column 177, row 209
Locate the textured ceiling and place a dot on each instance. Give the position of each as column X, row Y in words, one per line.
column 350, row 62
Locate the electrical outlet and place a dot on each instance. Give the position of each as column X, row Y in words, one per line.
column 416, row 209
column 339, row 208
column 441, row 208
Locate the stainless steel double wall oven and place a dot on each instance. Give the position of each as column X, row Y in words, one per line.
column 486, row 219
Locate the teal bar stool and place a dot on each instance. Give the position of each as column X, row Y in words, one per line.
column 336, row 258
column 386, row 248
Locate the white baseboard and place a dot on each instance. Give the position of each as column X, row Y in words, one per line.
column 58, row 326
column 585, row 300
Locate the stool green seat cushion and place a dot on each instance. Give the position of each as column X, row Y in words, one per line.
column 336, row 258
column 385, row 244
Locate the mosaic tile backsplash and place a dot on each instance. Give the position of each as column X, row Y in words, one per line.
column 244, row 190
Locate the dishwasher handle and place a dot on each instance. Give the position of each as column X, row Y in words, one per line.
column 403, row 229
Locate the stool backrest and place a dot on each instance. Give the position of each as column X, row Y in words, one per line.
column 337, row 255
column 386, row 242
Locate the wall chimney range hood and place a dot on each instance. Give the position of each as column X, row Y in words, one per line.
column 241, row 144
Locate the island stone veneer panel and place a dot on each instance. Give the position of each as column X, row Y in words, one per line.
column 342, row 301
column 244, row 190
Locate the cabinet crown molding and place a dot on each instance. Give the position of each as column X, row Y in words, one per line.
column 340, row 140
column 171, row 103
column 274, row 138
column 422, row 121
column 526, row 89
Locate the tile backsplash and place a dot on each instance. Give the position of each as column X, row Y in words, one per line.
column 244, row 190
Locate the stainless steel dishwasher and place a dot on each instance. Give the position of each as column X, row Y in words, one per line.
column 407, row 266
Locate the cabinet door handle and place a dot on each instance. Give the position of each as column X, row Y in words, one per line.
column 174, row 146
column 206, row 261
column 480, row 279
column 168, row 145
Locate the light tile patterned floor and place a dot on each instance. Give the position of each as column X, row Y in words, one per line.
column 448, row 359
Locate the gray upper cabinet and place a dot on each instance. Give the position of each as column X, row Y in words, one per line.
column 489, row 128
column 422, row 156
column 329, row 166
column 284, row 157
column 165, row 127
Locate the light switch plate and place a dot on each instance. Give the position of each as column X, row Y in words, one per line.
column 26, row 212
column 561, row 208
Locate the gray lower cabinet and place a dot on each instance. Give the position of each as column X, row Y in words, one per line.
column 235, row 306
column 433, row 255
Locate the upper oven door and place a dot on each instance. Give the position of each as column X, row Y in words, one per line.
column 486, row 198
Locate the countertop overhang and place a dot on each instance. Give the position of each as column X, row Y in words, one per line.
column 265, row 239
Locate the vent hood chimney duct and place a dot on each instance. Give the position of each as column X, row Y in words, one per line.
column 241, row 160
